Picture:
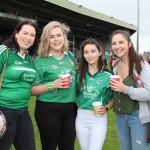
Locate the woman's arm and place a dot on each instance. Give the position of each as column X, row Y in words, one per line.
column 3, row 56
column 140, row 94
column 109, row 105
column 43, row 88
column 39, row 89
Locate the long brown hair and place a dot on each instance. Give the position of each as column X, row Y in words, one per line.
column 83, row 67
column 134, row 58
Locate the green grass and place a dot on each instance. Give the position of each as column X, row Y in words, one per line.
column 111, row 142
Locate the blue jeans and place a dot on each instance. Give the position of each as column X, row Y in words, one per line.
column 131, row 133
column 19, row 130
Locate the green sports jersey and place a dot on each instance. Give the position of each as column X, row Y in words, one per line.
column 49, row 69
column 19, row 73
column 96, row 88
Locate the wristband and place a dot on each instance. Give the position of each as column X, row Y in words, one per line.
column 49, row 86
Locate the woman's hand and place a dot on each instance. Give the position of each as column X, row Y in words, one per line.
column 102, row 110
column 117, row 86
column 60, row 82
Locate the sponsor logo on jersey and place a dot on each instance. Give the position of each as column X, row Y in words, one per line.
column 18, row 63
column 61, row 63
column 99, row 81
column 68, row 71
column 90, row 88
column 91, row 78
column 89, row 91
column 54, row 66
column 65, row 71
column 27, row 76
column 25, row 62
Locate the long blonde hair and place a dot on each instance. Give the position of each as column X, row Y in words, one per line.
column 44, row 46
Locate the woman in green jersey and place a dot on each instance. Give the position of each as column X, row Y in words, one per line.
column 54, row 112
column 15, row 91
column 93, row 85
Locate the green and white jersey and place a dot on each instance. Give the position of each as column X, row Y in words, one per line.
column 19, row 73
column 96, row 88
column 49, row 69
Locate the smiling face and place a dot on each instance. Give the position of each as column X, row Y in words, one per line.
column 56, row 39
column 91, row 54
column 25, row 37
column 120, row 45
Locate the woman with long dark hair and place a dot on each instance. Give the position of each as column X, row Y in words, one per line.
column 93, row 86
column 131, row 94
column 15, row 92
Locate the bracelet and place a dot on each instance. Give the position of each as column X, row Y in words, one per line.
column 49, row 86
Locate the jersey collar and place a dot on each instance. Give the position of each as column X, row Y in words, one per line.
column 93, row 74
column 22, row 56
column 96, row 72
column 50, row 54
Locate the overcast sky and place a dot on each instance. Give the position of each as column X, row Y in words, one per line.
column 125, row 10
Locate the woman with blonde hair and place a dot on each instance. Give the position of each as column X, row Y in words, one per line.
column 54, row 112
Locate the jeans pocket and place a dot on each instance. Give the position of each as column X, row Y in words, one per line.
column 136, row 113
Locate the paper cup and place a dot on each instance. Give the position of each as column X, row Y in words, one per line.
column 96, row 106
column 115, row 77
column 67, row 85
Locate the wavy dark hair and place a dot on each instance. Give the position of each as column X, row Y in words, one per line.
column 12, row 43
column 83, row 67
column 134, row 58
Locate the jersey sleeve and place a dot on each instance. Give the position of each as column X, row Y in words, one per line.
column 72, row 56
column 39, row 73
column 109, row 91
column 110, row 94
column 77, row 83
column 2, row 57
